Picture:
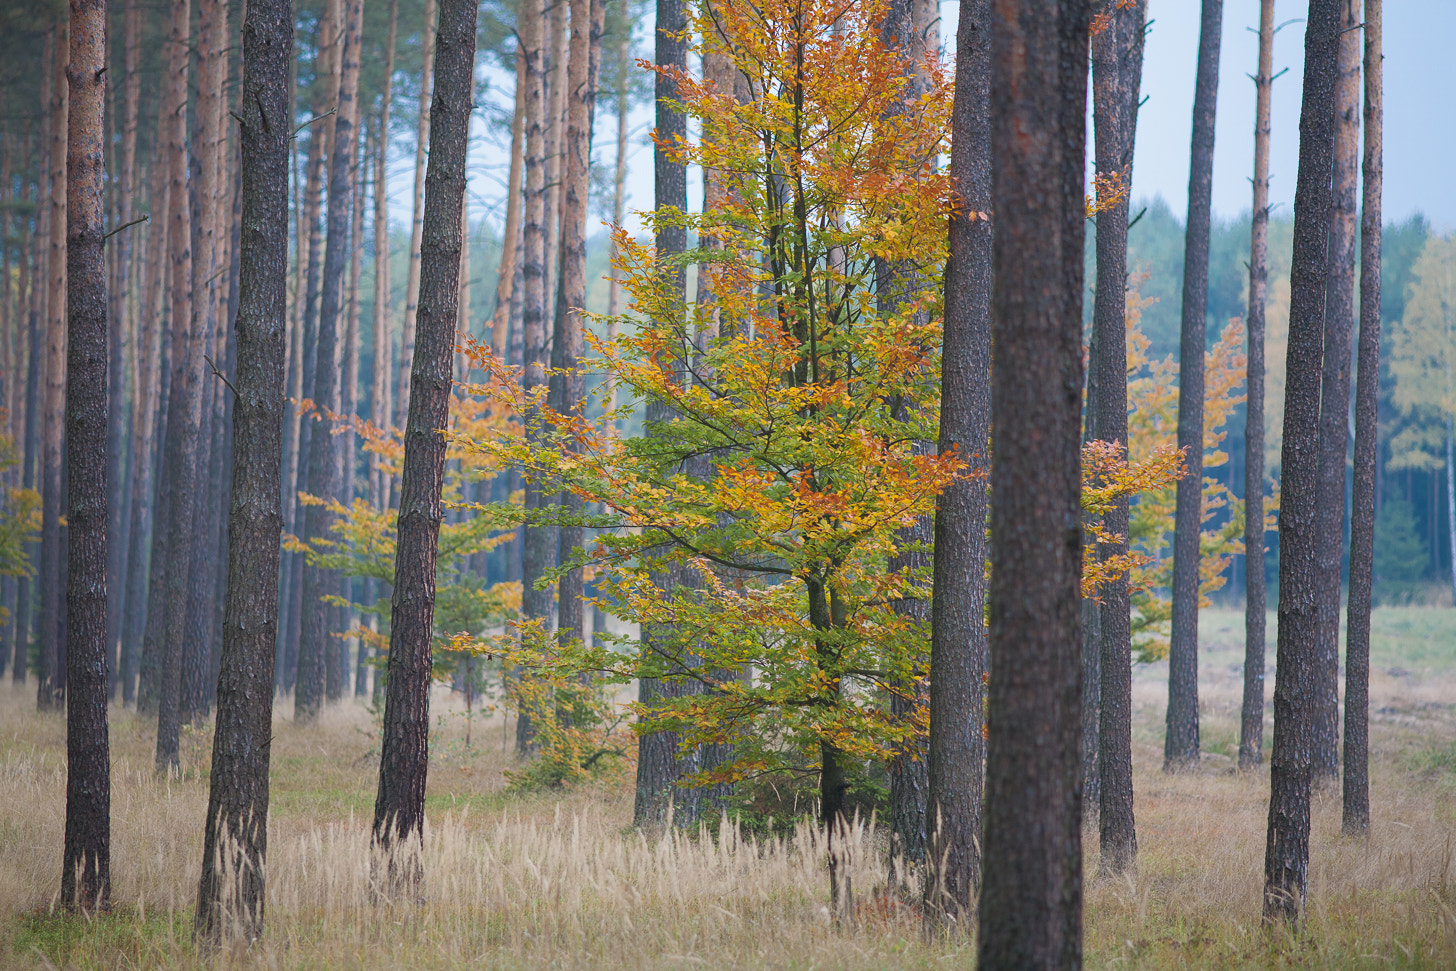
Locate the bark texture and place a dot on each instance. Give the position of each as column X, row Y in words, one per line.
column 1117, row 70
column 86, row 863
column 1181, row 744
column 1286, row 857
column 400, row 805
column 958, row 662
column 1251, row 722
column 230, row 896
column 1031, row 898
column 417, row 226
column 1335, row 394
column 1356, row 814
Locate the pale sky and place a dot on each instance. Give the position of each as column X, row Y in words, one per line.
column 1420, row 115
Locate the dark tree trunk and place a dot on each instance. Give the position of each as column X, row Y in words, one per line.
column 1031, row 897
column 1117, row 70
column 658, row 766
column 1335, row 396
column 412, row 287
column 182, row 413
column 50, row 689
column 400, row 806
column 86, row 864
column 1251, row 724
column 1181, row 744
column 958, row 598
column 230, row 895
column 1286, row 859
column 1356, row 820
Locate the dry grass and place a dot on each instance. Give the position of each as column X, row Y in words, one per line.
column 561, row 880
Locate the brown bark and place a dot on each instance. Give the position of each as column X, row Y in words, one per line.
column 1031, row 906
column 400, row 805
column 412, row 289
column 1117, row 70
column 51, row 690
column 535, row 559
column 1181, row 744
column 1286, row 859
column 86, row 863
column 958, row 661
column 658, row 767
column 1356, row 815
column 235, row 843
column 506, row 274
column 1251, row 723
column 379, row 411
column 349, row 407
column 1335, row 395
column 180, row 445
column 557, row 53
column 567, row 346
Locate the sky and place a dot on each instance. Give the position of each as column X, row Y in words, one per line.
column 1420, row 116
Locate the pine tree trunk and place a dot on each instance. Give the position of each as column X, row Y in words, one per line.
column 349, row 408
column 535, row 557
column 1251, row 723
column 235, row 843
column 1031, row 906
column 412, row 289
column 1335, row 395
column 379, row 410
column 180, row 446
column 657, row 759
column 400, row 805
column 567, row 346
column 958, row 660
column 1117, row 68
column 319, row 671
column 1356, row 815
column 1286, row 860
column 557, row 53
column 1181, row 744
column 51, row 690
column 510, row 255
column 86, row 863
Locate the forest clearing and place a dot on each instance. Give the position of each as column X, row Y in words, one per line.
column 546, row 879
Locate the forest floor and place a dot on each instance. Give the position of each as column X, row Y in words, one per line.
column 560, row 879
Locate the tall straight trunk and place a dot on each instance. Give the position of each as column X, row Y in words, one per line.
column 51, row 689
column 1251, row 722
column 1356, row 815
column 1181, row 744
column 379, row 412
column 319, row 672
column 35, row 312
column 1117, row 70
column 536, row 553
column 619, row 194
column 1335, row 395
column 180, row 445
column 1286, row 858
column 349, row 402
column 658, row 767
column 86, row 862
column 400, row 805
column 235, row 842
column 412, row 288
column 510, row 255
column 958, row 661
column 567, row 346
column 121, row 323
column 557, row 44
column 150, row 367
column 1031, row 897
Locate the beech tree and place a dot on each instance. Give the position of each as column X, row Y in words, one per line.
column 1356, row 815
column 86, row 862
column 1031, row 895
column 400, row 805
column 230, row 896
column 1181, row 743
column 1286, row 859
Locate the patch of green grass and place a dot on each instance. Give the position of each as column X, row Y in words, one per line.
column 123, row 938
